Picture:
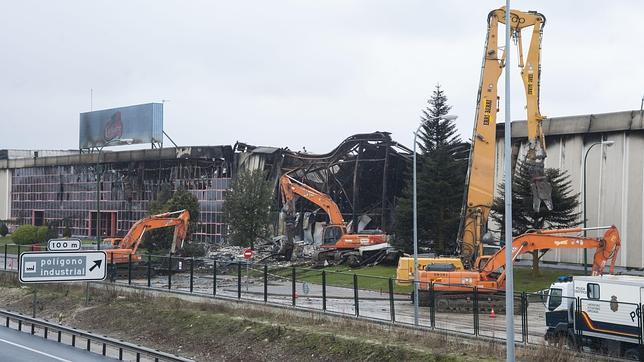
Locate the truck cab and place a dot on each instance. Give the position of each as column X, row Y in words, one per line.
column 600, row 313
column 559, row 308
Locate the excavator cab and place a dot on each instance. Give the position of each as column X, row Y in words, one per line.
column 332, row 234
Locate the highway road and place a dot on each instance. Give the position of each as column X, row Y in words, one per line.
column 19, row 346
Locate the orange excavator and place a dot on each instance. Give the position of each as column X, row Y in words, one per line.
column 338, row 245
column 124, row 249
column 489, row 273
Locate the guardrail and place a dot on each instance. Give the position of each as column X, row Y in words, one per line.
column 62, row 334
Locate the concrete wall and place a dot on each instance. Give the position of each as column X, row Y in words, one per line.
column 5, row 194
column 615, row 188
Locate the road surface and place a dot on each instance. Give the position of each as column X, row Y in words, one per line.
column 20, row 346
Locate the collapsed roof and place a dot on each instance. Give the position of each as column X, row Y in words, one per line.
column 364, row 174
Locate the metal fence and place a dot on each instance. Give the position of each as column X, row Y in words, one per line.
column 474, row 311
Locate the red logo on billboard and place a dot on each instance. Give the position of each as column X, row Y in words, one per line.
column 114, row 127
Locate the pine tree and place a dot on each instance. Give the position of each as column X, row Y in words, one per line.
column 441, row 178
column 563, row 215
column 436, row 132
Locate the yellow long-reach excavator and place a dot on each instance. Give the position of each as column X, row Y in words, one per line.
column 480, row 179
column 473, row 232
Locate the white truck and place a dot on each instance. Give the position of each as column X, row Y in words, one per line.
column 600, row 313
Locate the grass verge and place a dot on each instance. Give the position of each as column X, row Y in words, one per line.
column 377, row 277
column 222, row 330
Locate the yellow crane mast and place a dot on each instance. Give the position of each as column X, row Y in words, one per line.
column 480, row 181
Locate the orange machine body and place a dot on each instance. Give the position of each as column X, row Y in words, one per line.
column 124, row 249
column 335, row 235
column 490, row 276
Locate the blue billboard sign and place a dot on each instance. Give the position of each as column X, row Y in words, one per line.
column 138, row 124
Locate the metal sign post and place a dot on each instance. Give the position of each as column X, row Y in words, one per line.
column 507, row 141
column 46, row 267
column 248, row 255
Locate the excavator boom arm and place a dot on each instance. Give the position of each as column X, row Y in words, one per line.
column 291, row 187
column 531, row 76
column 479, row 187
column 132, row 239
column 607, row 248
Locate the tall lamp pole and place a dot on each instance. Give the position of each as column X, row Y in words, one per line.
column 99, row 172
column 415, row 212
column 507, row 171
column 607, row 143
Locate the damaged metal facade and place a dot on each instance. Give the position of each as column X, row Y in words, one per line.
column 61, row 190
column 365, row 175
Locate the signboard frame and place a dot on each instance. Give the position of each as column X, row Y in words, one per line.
column 62, row 248
column 102, row 265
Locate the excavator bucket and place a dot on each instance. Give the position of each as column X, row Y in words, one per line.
column 541, row 187
column 541, row 192
column 286, row 245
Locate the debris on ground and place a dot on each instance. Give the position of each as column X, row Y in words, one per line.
column 265, row 251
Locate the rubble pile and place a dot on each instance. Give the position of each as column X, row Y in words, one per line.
column 265, row 251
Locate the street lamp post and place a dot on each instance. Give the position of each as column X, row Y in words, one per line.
column 415, row 213
column 607, row 143
column 99, row 172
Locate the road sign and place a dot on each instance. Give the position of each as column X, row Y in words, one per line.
column 63, row 266
column 63, row 244
column 248, row 254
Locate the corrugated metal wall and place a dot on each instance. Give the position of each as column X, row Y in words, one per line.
column 615, row 188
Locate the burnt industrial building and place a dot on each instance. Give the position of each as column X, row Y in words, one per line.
column 364, row 175
column 62, row 190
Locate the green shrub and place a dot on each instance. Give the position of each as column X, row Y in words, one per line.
column 4, row 230
column 67, row 232
column 42, row 234
column 25, row 234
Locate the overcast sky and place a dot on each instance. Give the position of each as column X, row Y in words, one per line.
column 294, row 73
